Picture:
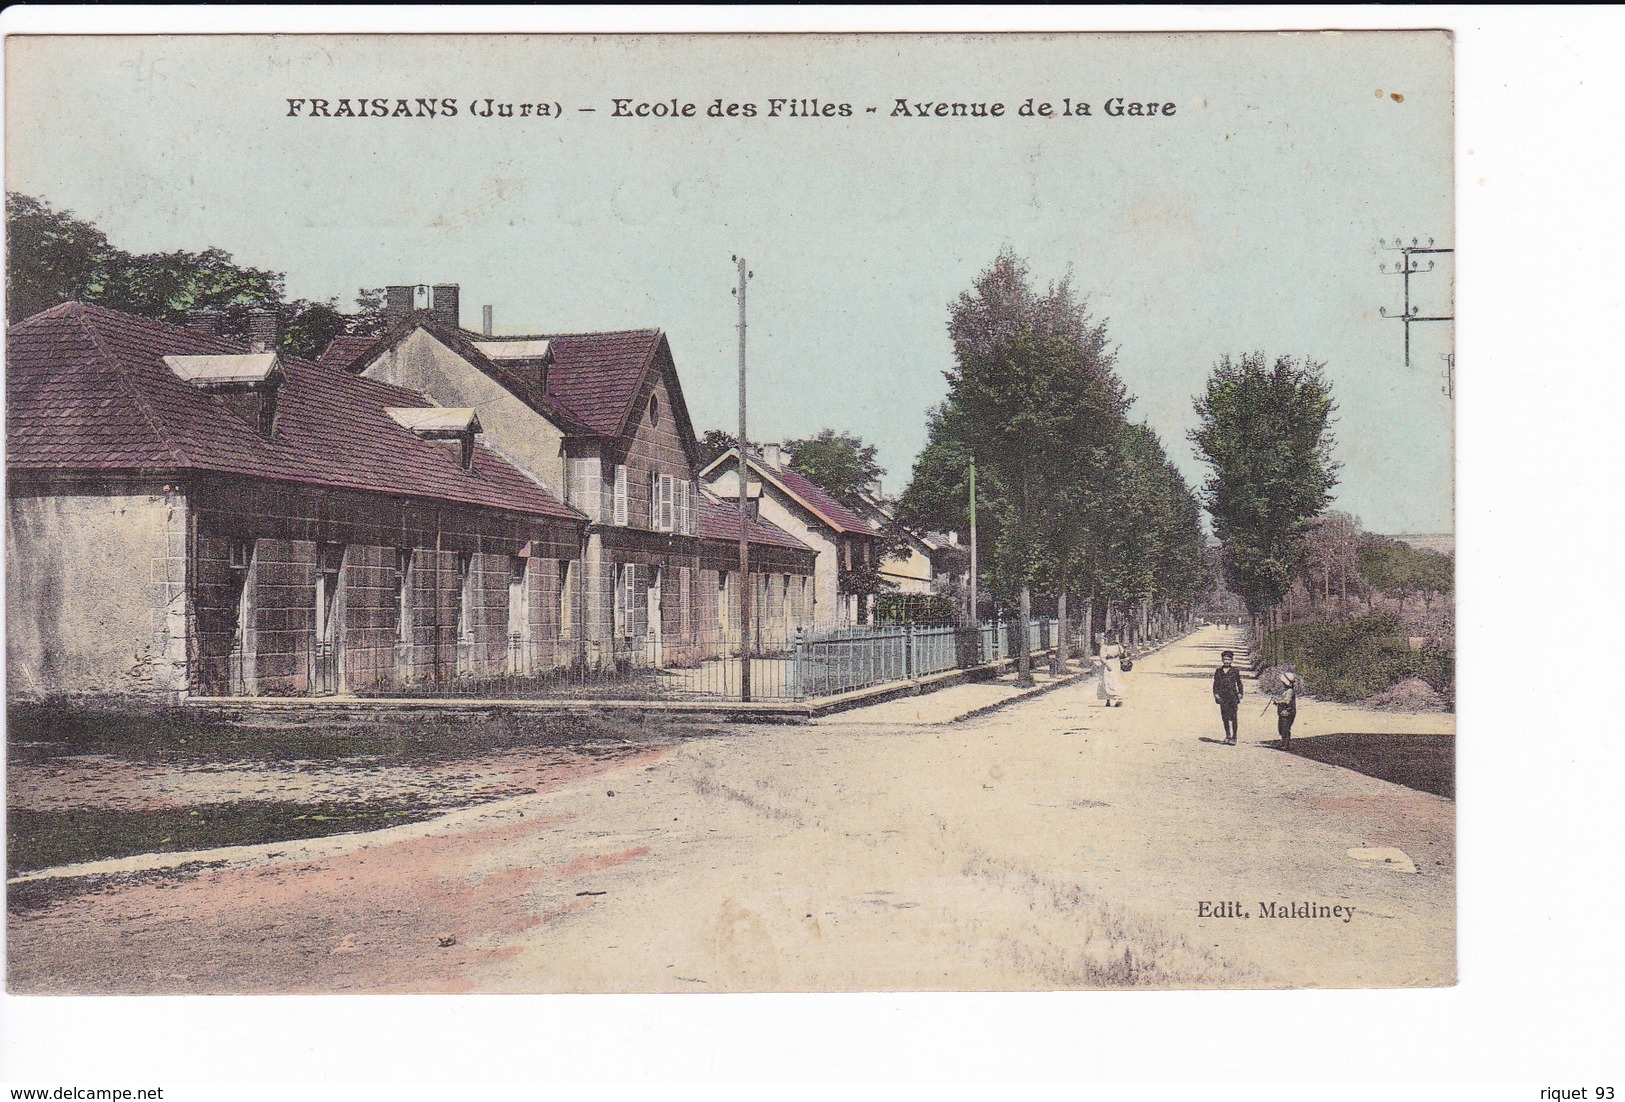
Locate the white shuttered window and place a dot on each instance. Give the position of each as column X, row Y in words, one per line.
column 620, row 495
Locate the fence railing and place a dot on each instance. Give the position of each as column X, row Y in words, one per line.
column 813, row 662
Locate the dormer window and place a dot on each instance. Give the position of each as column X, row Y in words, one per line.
column 460, row 425
column 533, row 356
column 248, row 385
column 515, row 350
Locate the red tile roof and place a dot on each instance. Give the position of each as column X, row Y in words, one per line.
column 719, row 520
column 88, row 391
column 813, row 496
column 598, row 376
column 345, row 350
column 519, row 377
column 821, row 501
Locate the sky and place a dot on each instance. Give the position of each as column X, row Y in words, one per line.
column 1249, row 219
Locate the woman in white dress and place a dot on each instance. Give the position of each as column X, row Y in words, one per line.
column 1111, row 674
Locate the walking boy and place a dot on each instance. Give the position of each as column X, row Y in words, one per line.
column 1286, row 707
column 1227, row 695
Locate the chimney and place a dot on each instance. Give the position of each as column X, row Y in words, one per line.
column 773, row 457
column 486, row 311
column 397, row 303
column 264, row 329
column 205, row 320
column 445, row 305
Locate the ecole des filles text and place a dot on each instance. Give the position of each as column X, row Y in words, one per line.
column 446, row 107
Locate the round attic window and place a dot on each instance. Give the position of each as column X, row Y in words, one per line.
column 654, row 409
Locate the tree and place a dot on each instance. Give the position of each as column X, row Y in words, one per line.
column 312, row 327
column 169, row 286
column 716, row 443
column 55, row 257
column 1034, row 399
column 1265, row 432
column 1398, row 570
column 838, row 461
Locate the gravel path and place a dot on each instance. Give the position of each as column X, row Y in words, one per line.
column 1052, row 844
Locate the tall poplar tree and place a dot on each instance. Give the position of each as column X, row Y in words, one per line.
column 1265, row 433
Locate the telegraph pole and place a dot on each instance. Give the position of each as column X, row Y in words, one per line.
column 975, row 616
column 745, row 593
column 1408, row 267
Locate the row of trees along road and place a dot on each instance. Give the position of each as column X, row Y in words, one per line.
column 1072, row 499
column 54, row 257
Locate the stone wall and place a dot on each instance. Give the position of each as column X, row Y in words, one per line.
column 287, row 529
column 96, row 592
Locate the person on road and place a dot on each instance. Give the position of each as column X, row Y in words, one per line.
column 1111, row 674
column 1227, row 695
column 1286, row 707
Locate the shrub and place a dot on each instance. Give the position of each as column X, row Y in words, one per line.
column 1356, row 659
column 919, row 608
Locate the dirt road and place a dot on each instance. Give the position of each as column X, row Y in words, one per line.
column 1054, row 844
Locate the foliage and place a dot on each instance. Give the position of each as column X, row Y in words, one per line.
column 716, row 443
column 1356, row 659
column 1070, row 497
column 1034, row 399
column 1265, row 432
column 1399, row 570
column 55, row 257
column 915, row 608
column 838, row 461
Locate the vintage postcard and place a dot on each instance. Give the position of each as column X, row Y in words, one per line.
column 729, row 513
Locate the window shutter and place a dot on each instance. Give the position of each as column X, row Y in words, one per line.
column 668, row 504
column 623, row 601
column 620, row 495
column 640, row 600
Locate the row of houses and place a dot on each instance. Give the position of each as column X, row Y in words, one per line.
column 188, row 515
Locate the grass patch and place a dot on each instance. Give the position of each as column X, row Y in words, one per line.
column 42, row 732
column 46, row 839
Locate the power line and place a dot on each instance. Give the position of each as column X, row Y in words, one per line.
column 1407, row 267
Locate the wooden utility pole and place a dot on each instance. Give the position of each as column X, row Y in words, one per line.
column 745, row 593
column 975, row 616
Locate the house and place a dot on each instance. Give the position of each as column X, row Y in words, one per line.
column 190, row 516
column 923, row 563
column 599, row 419
column 848, row 547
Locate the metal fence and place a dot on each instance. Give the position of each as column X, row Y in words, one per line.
column 691, row 665
column 813, row 662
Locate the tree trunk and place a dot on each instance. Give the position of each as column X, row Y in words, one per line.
column 1089, row 629
column 1058, row 666
column 1024, row 658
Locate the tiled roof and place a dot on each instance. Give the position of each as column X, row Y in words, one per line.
column 88, row 391
column 799, row 486
column 519, row 377
column 719, row 520
column 593, row 382
column 344, row 350
column 598, row 376
column 821, row 501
